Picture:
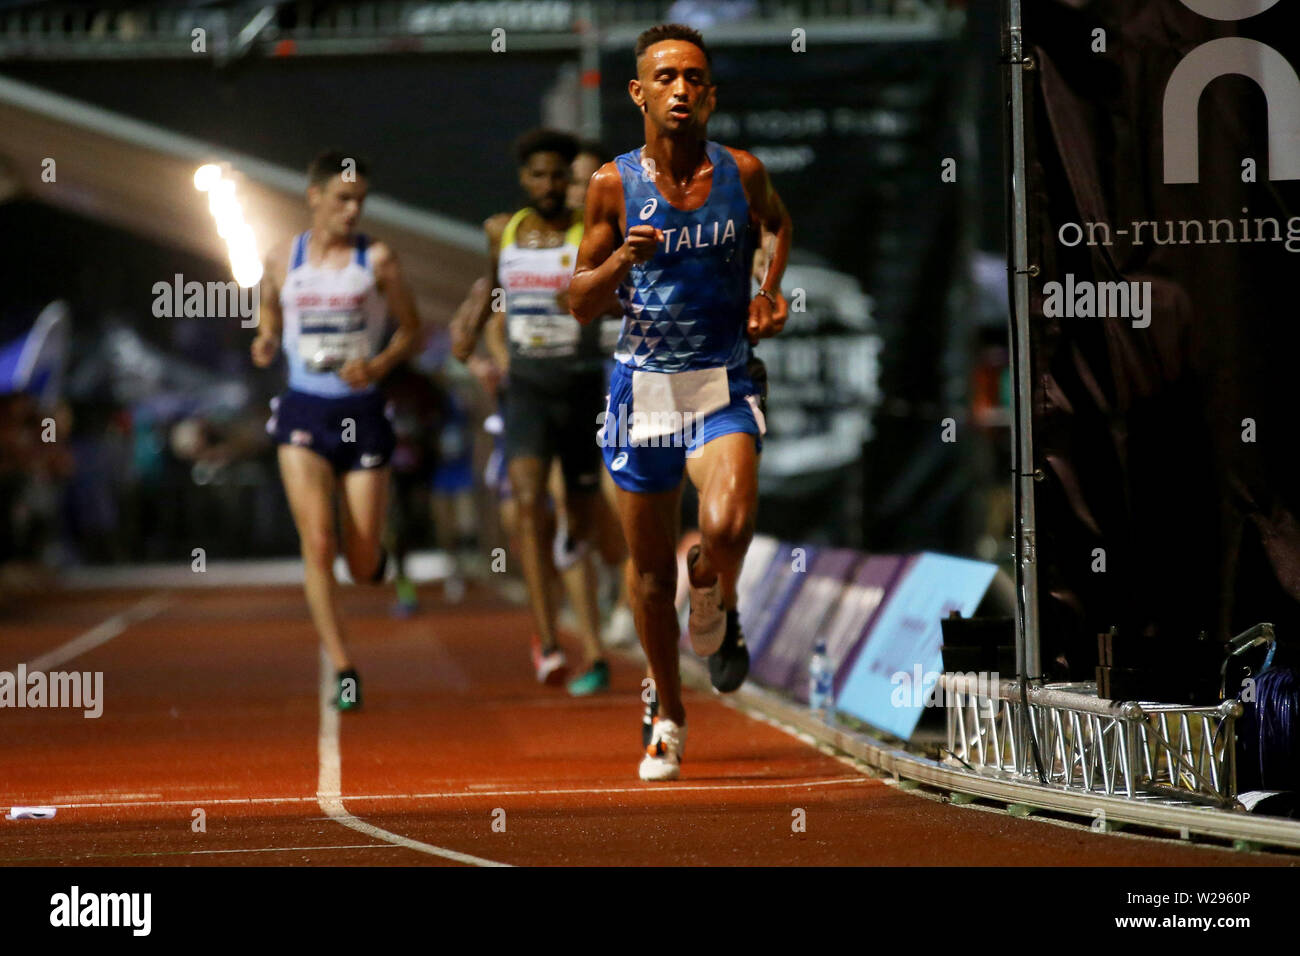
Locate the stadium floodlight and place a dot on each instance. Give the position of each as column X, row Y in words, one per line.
column 228, row 213
column 206, row 176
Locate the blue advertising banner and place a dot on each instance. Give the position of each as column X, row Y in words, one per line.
column 784, row 665
column 899, row 661
column 859, row 605
column 780, row 587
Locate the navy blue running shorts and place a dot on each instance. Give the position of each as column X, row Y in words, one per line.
column 351, row 432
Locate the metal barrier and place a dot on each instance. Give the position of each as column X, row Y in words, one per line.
column 1092, row 745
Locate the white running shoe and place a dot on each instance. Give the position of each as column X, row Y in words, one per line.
column 708, row 621
column 620, row 630
column 663, row 758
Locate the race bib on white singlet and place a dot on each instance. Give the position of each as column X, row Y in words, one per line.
column 668, row 403
column 548, row 335
column 327, row 341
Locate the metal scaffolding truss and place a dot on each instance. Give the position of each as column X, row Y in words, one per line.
column 1092, row 745
column 229, row 30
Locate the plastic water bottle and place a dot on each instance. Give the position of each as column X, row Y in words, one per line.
column 821, row 690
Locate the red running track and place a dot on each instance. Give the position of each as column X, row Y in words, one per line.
column 212, row 703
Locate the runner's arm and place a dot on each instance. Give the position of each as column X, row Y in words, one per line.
column 766, row 316
column 467, row 325
column 604, row 258
column 401, row 306
column 270, row 321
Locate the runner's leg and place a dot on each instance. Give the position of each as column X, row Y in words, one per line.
column 309, row 484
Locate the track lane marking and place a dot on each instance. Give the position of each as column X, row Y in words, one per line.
column 101, row 633
column 453, row 794
column 267, row 849
column 330, row 781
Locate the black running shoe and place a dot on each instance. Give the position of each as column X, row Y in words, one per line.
column 730, row 665
column 648, row 722
column 382, row 569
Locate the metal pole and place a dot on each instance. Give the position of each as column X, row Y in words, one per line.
column 589, row 73
column 1028, row 659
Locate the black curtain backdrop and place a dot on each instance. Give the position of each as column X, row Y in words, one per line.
column 1141, row 432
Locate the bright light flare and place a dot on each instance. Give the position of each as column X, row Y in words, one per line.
column 241, row 244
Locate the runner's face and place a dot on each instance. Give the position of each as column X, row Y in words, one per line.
column 336, row 205
column 584, row 167
column 674, row 83
column 545, row 178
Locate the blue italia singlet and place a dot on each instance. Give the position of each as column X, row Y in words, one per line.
column 687, row 307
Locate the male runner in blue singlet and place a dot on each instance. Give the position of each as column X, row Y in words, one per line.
column 330, row 292
column 672, row 228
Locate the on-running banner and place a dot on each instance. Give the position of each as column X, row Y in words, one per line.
column 853, row 136
column 1163, row 170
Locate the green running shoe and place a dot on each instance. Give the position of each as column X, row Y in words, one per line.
column 348, row 696
column 408, row 602
column 592, row 682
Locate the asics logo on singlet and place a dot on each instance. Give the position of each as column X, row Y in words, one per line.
column 649, row 208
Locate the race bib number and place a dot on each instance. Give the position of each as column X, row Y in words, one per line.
column 667, row 403
column 548, row 335
column 326, row 342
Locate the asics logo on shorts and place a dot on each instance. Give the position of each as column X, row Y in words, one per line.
column 370, row 461
column 649, row 208
column 619, row 461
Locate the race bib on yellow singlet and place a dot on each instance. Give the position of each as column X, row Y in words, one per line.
column 549, row 335
column 666, row 403
column 327, row 341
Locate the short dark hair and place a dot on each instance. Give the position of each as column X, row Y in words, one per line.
column 589, row 147
column 331, row 162
column 672, row 31
column 545, row 141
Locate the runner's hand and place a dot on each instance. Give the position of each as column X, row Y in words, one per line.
column 358, row 373
column 464, row 330
column 264, row 348
column 487, row 373
column 642, row 243
column 766, row 319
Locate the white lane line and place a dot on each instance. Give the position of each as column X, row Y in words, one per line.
column 260, row 849
column 291, row 849
column 330, row 781
column 101, row 633
column 454, row 794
